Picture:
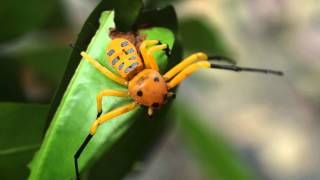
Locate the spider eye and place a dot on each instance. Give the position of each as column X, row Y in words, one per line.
column 156, row 79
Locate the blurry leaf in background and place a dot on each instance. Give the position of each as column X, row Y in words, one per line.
column 20, row 136
column 49, row 60
column 126, row 13
column 197, row 35
column 58, row 19
column 216, row 158
column 160, row 17
column 150, row 4
column 77, row 111
column 10, row 80
column 38, row 69
column 18, row 17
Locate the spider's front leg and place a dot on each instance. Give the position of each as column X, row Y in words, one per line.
column 199, row 56
column 186, row 72
column 200, row 61
column 185, row 63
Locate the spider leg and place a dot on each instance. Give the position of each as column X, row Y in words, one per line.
column 116, row 112
column 104, row 70
column 186, row 72
column 100, row 120
column 78, row 153
column 150, row 58
column 205, row 64
column 144, row 51
column 147, row 54
column 221, row 59
column 248, row 69
column 109, row 92
column 194, row 58
column 184, row 64
column 171, row 95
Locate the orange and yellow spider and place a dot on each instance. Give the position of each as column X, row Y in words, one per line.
column 140, row 73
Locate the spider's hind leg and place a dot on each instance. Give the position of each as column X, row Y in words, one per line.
column 81, row 148
column 99, row 120
column 78, row 153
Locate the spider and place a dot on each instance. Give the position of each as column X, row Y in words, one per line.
column 139, row 72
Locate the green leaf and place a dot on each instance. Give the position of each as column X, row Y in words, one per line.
column 215, row 156
column 20, row 136
column 198, row 35
column 77, row 110
column 85, row 36
column 132, row 148
column 142, row 134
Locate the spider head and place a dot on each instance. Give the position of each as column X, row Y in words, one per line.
column 149, row 89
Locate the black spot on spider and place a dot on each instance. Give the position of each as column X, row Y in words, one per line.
column 139, row 93
column 156, row 79
column 155, row 105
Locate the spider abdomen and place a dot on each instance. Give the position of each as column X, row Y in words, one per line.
column 124, row 57
column 148, row 88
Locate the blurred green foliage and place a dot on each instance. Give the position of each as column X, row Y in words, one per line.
column 24, row 124
column 10, row 72
column 20, row 137
column 151, row 4
column 48, row 60
column 19, row 17
column 161, row 17
column 197, row 35
column 216, row 157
